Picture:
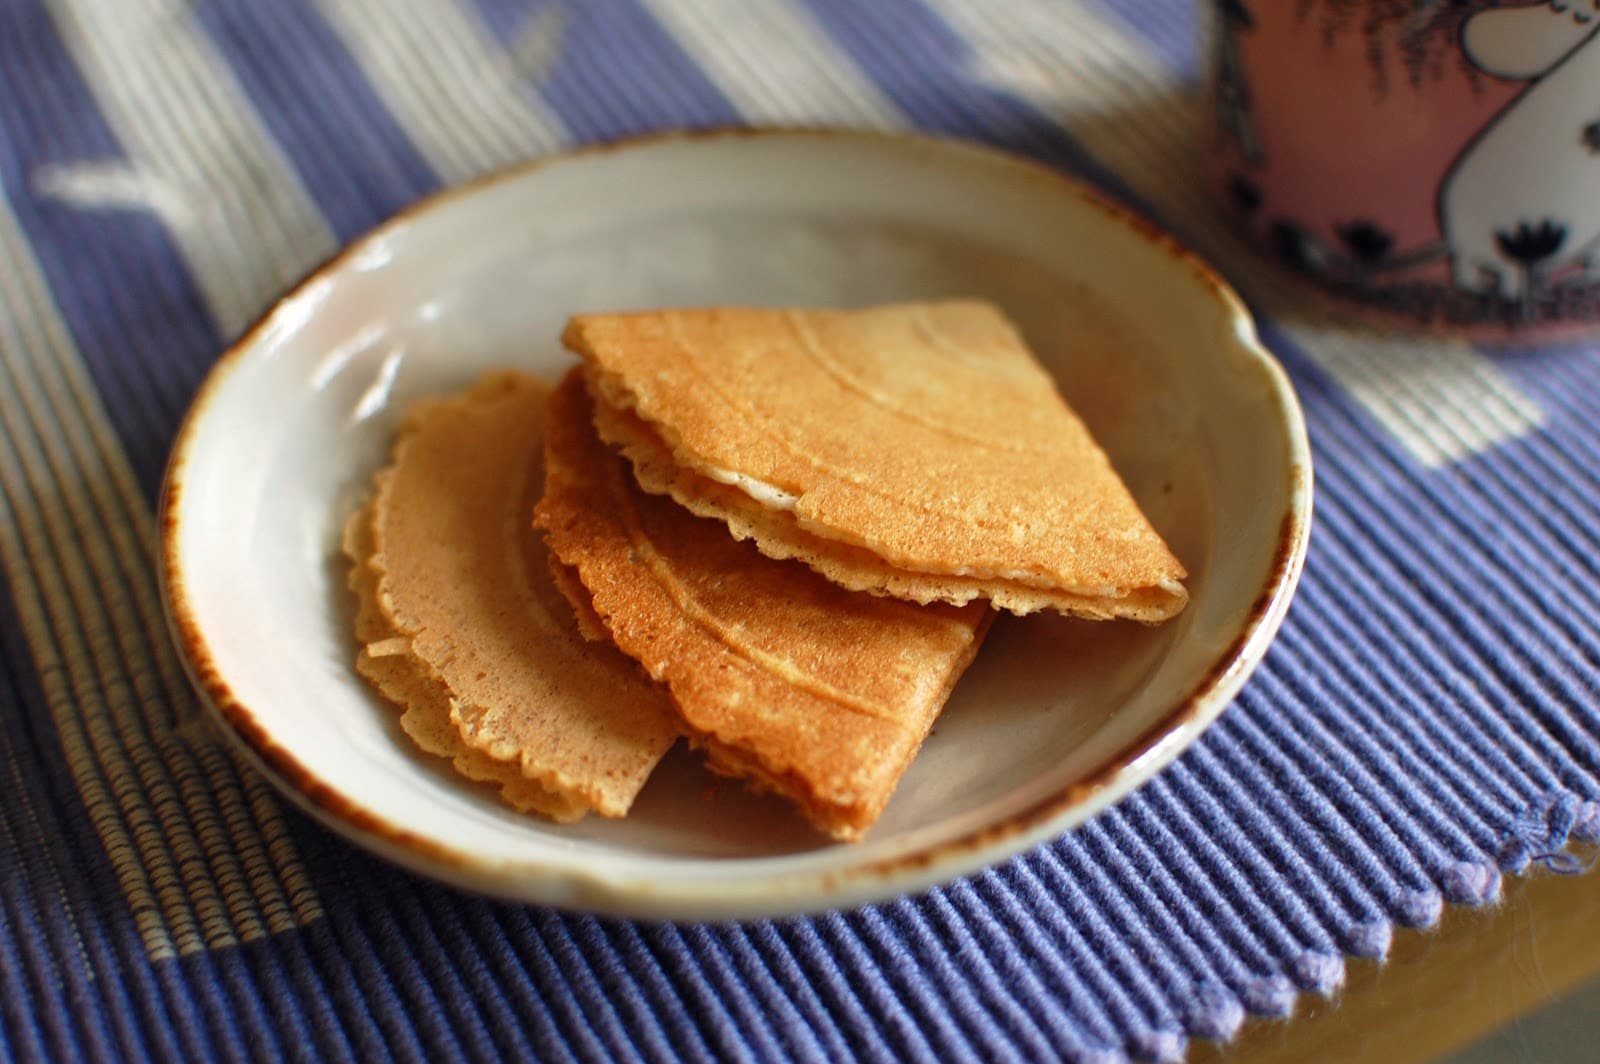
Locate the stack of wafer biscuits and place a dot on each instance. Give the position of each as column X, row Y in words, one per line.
column 797, row 524
column 460, row 623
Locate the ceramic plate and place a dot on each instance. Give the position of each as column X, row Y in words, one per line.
column 1056, row 720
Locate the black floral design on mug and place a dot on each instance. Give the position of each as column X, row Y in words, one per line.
column 1368, row 241
column 1589, row 137
column 1244, row 194
column 1233, row 101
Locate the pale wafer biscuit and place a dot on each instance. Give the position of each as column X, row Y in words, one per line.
column 386, row 662
column 784, row 678
column 464, row 584
column 916, row 450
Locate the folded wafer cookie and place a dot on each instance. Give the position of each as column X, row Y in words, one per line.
column 916, row 450
column 783, row 677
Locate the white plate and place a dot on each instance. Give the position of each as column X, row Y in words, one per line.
column 1056, row 720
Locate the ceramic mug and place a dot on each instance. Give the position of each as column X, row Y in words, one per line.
column 1433, row 159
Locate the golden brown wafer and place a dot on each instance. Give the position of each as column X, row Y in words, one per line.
column 778, row 535
column 786, row 679
column 590, row 626
column 915, row 450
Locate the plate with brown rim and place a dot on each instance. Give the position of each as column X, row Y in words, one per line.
column 1055, row 721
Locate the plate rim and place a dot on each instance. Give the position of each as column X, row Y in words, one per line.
column 570, row 887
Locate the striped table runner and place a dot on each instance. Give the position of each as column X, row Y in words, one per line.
column 1427, row 721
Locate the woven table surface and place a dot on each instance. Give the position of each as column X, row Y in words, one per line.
column 1425, row 723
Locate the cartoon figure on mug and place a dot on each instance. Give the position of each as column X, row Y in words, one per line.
column 1519, row 205
column 1518, row 221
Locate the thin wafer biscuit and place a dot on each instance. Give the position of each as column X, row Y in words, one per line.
column 784, row 678
column 915, row 450
column 386, row 662
column 778, row 535
column 464, row 586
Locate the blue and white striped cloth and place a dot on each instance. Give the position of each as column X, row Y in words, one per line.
column 1427, row 720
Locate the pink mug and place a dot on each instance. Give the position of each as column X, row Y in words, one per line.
column 1433, row 159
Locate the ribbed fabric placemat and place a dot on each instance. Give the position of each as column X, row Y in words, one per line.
column 1426, row 720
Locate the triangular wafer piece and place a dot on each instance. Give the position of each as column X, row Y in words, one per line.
column 916, row 450
column 784, row 678
column 468, row 625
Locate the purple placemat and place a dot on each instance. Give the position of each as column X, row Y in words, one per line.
column 1427, row 719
